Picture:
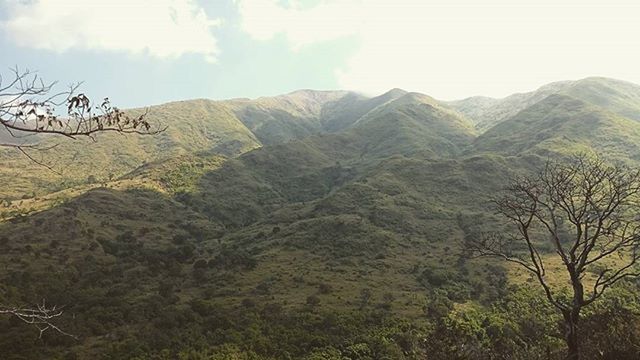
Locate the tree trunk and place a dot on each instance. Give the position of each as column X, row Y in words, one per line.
column 572, row 314
column 571, row 318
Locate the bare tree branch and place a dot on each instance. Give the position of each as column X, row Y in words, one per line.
column 28, row 106
column 42, row 317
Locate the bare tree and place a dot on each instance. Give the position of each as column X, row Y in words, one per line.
column 41, row 316
column 587, row 211
column 28, row 107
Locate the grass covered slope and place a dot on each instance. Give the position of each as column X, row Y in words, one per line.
column 619, row 97
column 412, row 124
column 283, row 118
column 141, row 267
column 342, row 237
column 247, row 188
column 227, row 128
column 193, row 126
column 560, row 124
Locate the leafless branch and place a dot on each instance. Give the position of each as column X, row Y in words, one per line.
column 42, row 317
column 28, row 106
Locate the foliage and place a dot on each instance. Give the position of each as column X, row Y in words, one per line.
column 340, row 239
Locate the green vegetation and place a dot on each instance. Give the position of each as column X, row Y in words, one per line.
column 314, row 225
column 616, row 96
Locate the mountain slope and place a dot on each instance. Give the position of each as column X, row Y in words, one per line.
column 343, row 113
column 412, row 124
column 314, row 225
column 249, row 187
column 227, row 128
column 192, row 126
column 620, row 97
column 286, row 117
column 561, row 124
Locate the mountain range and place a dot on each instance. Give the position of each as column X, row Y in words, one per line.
column 324, row 199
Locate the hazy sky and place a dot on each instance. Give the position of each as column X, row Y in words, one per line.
column 142, row 52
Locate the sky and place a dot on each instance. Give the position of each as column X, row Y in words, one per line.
column 144, row 52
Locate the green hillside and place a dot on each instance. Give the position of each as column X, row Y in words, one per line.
column 344, row 112
column 313, row 225
column 561, row 124
column 619, row 97
column 412, row 124
column 283, row 118
column 227, row 128
column 487, row 112
column 256, row 183
column 193, row 126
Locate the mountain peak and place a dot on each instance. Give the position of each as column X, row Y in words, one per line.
column 395, row 93
column 316, row 95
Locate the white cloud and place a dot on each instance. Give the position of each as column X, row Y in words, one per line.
column 456, row 48
column 263, row 19
column 161, row 28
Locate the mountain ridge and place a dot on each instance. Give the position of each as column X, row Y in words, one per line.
column 487, row 112
column 313, row 225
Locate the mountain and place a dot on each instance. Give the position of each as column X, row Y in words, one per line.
column 283, row 118
column 411, row 124
column 561, row 124
column 193, row 126
column 620, row 97
column 226, row 128
column 345, row 112
column 312, row 225
column 303, row 170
